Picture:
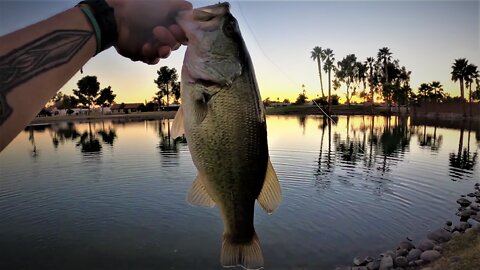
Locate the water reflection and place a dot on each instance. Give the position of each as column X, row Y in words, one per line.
column 88, row 141
column 463, row 159
column 377, row 144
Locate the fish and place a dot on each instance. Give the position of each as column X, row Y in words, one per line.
column 223, row 119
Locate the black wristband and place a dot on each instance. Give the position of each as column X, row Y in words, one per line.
column 105, row 17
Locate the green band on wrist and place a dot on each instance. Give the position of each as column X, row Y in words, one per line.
column 95, row 26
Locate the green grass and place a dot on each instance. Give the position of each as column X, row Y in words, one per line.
column 466, row 247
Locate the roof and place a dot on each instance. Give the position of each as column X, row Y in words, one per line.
column 126, row 106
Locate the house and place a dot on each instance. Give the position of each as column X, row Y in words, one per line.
column 126, row 107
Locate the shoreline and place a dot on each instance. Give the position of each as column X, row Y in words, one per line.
column 301, row 110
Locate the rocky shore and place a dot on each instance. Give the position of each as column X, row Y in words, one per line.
column 409, row 255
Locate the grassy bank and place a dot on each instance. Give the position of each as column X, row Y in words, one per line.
column 336, row 110
column 461, row 253
column 95, row 117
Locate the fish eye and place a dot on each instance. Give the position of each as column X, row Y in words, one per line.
column 229, row 27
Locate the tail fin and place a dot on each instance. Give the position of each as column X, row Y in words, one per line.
column 248, row 255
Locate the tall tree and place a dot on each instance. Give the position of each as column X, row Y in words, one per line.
column 87, row 91
column 437, row 91
column 346, row 72
column 317, row 54
column 459, row 73
column 371, row 82
column 471, row 75
column 167, row 78
column 328, row 67
column 106, row 97
column 385, row 56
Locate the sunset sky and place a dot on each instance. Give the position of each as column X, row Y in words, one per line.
column 426, row 36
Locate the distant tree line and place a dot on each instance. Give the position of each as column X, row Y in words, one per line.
column 383, row 77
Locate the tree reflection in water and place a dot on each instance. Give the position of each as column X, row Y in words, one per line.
column 167, row 144
column 463, row 160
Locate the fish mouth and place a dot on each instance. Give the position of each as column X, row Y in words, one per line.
column 209, row 12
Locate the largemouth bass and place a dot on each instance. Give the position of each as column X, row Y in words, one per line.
column 223, row 119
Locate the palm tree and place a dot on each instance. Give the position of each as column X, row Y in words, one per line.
column 167, row 78
column 329, row 65
column 318, row 55
column 384, row 55
column 471, row 75
column 459, row 73
column 370, row 62
column 424, row 90
column 437, row 90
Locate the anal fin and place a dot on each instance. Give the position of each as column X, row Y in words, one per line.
column 271, row 194
column 198, row 193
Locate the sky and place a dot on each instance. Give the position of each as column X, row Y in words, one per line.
column 426, row 36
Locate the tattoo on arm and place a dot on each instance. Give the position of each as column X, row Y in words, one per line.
column 47, row 52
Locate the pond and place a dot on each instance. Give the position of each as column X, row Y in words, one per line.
column 111, row 194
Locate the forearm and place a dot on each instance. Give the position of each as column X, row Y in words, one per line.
column 35, row 62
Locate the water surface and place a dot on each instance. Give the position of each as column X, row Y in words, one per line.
column 111, row 195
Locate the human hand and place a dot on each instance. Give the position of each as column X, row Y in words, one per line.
column 147, row 30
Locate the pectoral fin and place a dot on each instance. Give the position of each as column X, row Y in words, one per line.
column 178, row 127
column 271, row 194
column 198, row 194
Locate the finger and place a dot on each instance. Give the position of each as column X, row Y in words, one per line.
column 164, row 37
column 178, row 33
column 149, row 52
column 164, row 51
column 183, row 5
column 154, row 61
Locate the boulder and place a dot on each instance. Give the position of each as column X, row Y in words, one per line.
column 406, row 245
column 375, row 265
column 401, row 252
column 401, row 261
column 439, row 236
column 414, row 254
column 425, row 244
column 357, row 261
column 430, row 255
column 463, row 202
column 386, row 263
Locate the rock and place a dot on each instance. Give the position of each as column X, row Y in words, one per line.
column 357, row 261
column 473, row 223
column 448, row 223
column 401, row 252
column 455, row 233
column 430, row 255
column 343, row 268
column 425, row 244
column 386, row 263
column 438, row 248
column 401, row 261
column 414, row 254
column 475, row 207
column 369, row 259
column 471, row 194
column 469, row 230
column 477, row 217
column 427, row 268
column 465, row 214
column 419, row 262
column 359, row 268
column 439, row 236
column 462, row 226
column 375, row 265
column 406, row 245
column 463, row 202
column 447, row 228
